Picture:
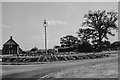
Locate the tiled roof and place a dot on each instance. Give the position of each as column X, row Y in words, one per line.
column 10, row 42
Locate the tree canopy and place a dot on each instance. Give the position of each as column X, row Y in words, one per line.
column 34, row 49
column 100, row 24
column 68, row 41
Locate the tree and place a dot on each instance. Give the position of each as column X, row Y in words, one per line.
column 85, row 46
column 100, row 24
column 68, row 41
column 56, row 47
column 116, row 45
column 85, row 34
column 106, row 45
column 34, row 49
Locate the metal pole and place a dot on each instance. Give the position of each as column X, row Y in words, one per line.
column 45, row 24
column 45, row 41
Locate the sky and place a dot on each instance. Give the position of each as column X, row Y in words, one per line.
column 24, row 21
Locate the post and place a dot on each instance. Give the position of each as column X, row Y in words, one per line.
column 45, row 41
column 45, row 24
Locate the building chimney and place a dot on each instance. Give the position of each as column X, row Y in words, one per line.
column 10, row 37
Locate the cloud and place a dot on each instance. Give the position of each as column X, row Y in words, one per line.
column 57, row 22
column 5, row 26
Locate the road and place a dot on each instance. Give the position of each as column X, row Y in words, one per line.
column 37, row 71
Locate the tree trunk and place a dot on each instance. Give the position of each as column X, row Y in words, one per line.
column 100, row 41
column 100, row 44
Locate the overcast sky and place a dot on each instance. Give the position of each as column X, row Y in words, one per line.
column 24, row 21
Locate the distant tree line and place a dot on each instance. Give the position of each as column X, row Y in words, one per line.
column 84, row 46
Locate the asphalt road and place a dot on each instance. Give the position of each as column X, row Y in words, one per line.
column 37, row 71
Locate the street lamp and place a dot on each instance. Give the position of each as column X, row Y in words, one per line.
column 45, row 24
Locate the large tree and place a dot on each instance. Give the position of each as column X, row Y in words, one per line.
column 68, row 41
column 85, row 46
column 100, row 24
column 106, row 45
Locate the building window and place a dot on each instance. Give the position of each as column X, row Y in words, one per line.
column 10, row 46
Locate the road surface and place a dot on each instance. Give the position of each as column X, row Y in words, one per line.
column 39, row 70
